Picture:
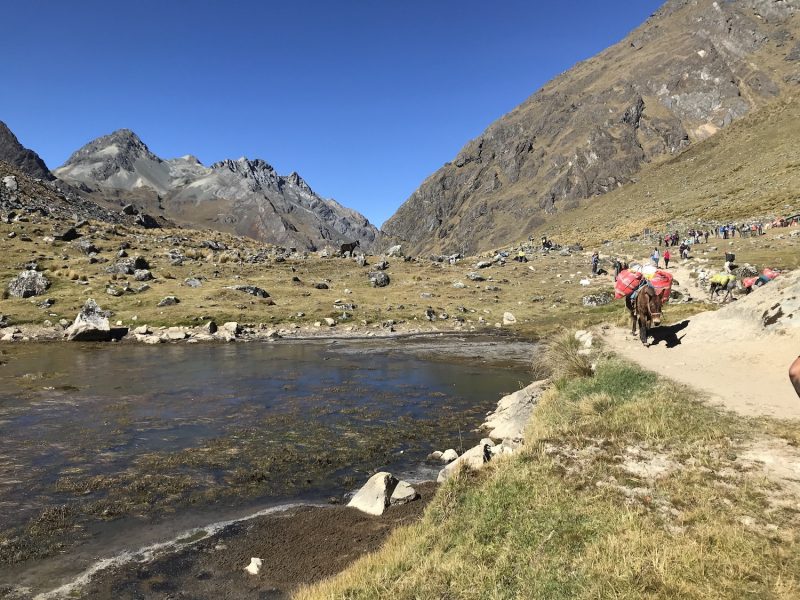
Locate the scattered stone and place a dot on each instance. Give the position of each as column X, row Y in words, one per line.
column 168, row 301
column 379, row 278
column 232, row 327
column 600, row 299
column 129, row 209
column 254, row 567
column 361, row 260
column 176, row 333
column 330, row 322
column 475, row 277
column 210, row 328
column 28, row 283
column 114, row 291
column 435, row 455
column 449, row 455
column 91, row 325
column 321, row 285
column 395, row 251
column 68, row 235
column 252, row 290
column 142, row 330
column 192, row 282
column 459, row 285
column 403, row 494
column 509, row 318
column 381, row 266
column 376, row 494
column 10, row 183
column 86, row 246
column 430, row 315
column 483, row 264
column 142, row 275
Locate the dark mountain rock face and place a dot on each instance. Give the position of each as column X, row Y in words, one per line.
column 246, row 197
column 690, row 70
column 15, row 154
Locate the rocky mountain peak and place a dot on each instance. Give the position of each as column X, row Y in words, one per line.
column 15, row 154
column 117, row 150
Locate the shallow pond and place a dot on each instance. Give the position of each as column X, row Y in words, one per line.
column 108, row 447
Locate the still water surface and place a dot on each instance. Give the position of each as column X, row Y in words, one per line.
column 105, row 447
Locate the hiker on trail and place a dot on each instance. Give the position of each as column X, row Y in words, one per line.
column 617, row 268
column 595, row 262
column 794, row 375
column 667, row 256
column 684, row 250
column 655, row 256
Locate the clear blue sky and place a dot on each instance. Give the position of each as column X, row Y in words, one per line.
column 363, row 98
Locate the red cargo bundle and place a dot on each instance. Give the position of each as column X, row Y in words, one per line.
column 748, row 282
column 627, row 282
column 770, row 273
column 662, row 282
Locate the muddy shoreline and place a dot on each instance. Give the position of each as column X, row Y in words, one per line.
column 298, row 546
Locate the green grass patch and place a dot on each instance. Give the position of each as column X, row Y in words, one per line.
column 567, row 517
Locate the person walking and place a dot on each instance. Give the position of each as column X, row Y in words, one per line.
column 667, row 256
column 655, row 257
column 595, row 262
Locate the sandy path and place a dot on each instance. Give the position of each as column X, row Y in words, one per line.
column 739, row 366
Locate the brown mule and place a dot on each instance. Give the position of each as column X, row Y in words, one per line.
column 645, row 311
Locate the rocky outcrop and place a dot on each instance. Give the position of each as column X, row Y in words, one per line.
column 28, row 283
column 17, row 155
column 246, row 197
column 690, row 70
column 91, row 325
column 513, row 412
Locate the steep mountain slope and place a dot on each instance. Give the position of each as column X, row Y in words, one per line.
column 751, row 169
column 17, row 155
column 692, row 69
column 245, row 197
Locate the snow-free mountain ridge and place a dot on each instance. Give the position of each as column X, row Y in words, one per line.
column 243, row 196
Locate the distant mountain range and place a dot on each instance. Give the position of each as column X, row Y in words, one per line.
column 245, row 197
column 690, row 70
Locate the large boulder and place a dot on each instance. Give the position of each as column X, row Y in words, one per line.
column 28, row 283
column 513, row 412
column 403, row 494
column 91, row 325
column 395, row 251
column 376, row 494
column 379, row 279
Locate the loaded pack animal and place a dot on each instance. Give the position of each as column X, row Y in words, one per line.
column 645, row 308
column 716, row 287
column 347, row 249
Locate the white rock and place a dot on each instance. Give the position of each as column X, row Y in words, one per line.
column 232, row 327
column 254, row 567
column 473, row 458
column 395, row 251
column 330, row 322
column 513, row 413
column 486, row 441
column 509, row 319
column 435, row 455
column 449, row 455
column 175, row 333
column 374, row 497
column 10, row 183
column 403, row 494
column 142, row 330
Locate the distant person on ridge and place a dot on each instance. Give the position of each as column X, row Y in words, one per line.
column 794, row 375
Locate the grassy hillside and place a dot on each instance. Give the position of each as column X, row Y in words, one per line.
column 627, row 488
column 751, row 169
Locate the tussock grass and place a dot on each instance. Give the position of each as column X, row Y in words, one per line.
column 564, row 519
column 561, row 356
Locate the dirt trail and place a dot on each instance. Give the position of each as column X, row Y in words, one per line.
column 731, row 355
